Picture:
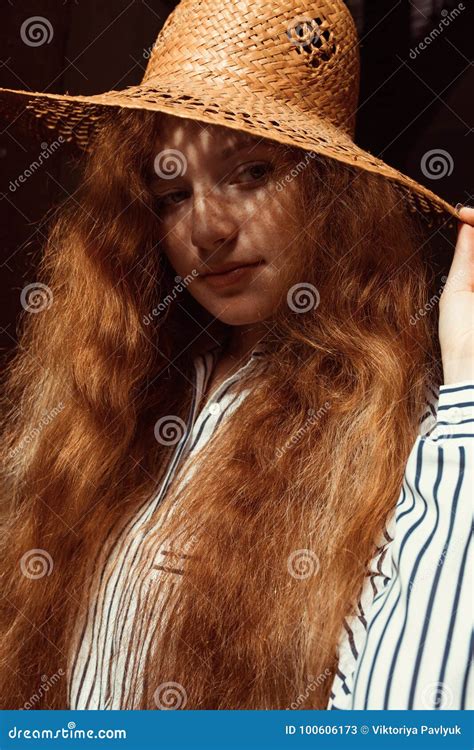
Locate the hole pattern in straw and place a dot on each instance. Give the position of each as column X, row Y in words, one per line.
column 314, row 39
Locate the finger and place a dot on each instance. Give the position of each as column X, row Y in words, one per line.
column 466, row 214
column 461, row 273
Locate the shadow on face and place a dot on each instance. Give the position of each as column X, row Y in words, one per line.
column 227, row 222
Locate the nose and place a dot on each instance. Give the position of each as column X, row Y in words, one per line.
column 212, row 222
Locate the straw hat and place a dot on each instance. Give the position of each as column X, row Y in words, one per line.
column 286, row 70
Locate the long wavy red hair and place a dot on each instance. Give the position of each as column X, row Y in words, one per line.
column 243, row 633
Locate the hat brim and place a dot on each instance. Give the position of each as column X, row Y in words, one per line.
column 76, row 119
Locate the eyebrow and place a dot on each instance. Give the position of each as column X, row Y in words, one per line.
column 224, row 154
column 229, row 150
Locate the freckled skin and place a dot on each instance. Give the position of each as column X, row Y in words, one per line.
column 224, row 209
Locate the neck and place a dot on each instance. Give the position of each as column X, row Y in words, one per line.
column 243, row 339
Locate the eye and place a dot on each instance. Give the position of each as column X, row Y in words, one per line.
column 257, row 171
column 171, row 199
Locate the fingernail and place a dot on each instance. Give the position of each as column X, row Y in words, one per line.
column 458, row 206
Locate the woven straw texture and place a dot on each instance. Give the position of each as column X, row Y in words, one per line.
column 284, row 70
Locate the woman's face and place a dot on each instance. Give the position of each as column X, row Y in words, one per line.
column 219, row 207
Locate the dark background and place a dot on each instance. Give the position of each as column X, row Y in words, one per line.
column 408, row 104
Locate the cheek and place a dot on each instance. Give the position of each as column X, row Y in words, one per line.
column 277, row 224
column 177, row 252
column 284, row 237
column 269, row 285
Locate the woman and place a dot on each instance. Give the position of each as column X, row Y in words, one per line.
column 236, row 497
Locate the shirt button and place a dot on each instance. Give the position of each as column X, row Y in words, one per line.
column 215, row 409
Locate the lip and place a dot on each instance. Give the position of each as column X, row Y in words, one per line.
column 231, row 276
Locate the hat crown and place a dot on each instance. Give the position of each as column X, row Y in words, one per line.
column 303, row 53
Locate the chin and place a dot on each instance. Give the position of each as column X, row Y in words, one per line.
column 239, row 313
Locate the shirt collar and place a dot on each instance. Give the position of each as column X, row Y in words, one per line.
column 260, row 349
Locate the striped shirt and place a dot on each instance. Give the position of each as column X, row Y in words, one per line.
column 408, row 644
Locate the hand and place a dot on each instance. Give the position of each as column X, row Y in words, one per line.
column 456, row 306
